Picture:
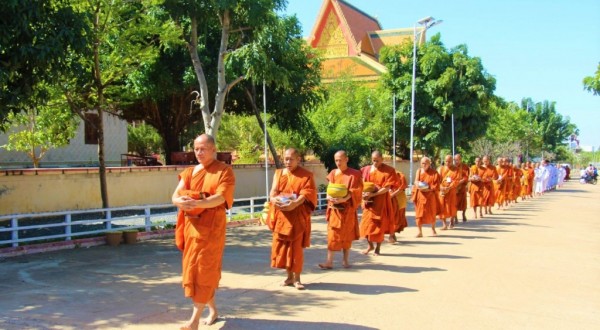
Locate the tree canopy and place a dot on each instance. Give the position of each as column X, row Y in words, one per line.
column 592, row 83
column 448, row 82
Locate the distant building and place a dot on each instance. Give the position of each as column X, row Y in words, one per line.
column 350, row 41
column 81, row 151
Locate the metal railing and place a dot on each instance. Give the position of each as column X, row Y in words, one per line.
column 17, row 229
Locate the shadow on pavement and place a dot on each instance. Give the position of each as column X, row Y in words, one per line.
column 245, row 324
column 357, row 288
column 432, row 256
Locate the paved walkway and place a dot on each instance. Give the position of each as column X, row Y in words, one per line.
column 533, row 266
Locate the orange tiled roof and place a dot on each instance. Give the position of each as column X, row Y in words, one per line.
column 359, row 22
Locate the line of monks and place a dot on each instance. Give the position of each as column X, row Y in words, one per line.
column 438, row 194
column 205, row 191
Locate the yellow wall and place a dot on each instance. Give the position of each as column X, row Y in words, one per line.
column 50, row 190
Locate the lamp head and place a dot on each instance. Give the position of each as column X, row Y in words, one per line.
column 425, row 20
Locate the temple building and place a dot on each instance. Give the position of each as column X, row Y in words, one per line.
column 350, row 41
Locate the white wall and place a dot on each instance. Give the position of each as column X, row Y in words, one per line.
column 77, row 153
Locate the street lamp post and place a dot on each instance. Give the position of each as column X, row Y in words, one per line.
column 426, row 23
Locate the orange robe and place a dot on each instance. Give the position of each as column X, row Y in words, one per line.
column 489, row 174
column 378, row 214
column 427, row 203
column 524, row 183
column 450, row 178
column 531, row 177
column 517, row 174
column 500, row 184
column 291, row 229
column 342, row 224
column 201, row 236
column 476, row 187
column 399, row 204
column 510, row 184
column 461, row 189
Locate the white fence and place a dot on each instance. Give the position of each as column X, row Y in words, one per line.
column 25, row 228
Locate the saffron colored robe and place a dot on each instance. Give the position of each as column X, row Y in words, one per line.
column 342, row 224
column 461, row 188
column 476, row 187
column 378, row 214
column 291, row 229
column 399, row 204
column 201, row 236
column 517, row 175
column 500, row 184
column 450, row 178
column 489, row 175
column 427, row 202
column 524, row 182
column 531, row 177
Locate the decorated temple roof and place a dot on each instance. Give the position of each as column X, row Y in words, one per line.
column 350, row 41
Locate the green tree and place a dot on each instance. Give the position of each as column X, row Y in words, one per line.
column 123, row 35
column 143, row 139
column 37, row 39
column 37, row 129
column 161, row 96
column 355, row 117
column 553, row 128
column 282, row 60
column 237, row 22
column 592, row 83
column 449, row 82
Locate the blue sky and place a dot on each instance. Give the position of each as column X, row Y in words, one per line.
column 534, row 48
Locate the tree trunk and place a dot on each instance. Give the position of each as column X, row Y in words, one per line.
column 100, row 104
column 192, row 46
column 252, row 99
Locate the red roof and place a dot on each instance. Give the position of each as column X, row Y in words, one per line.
column 359, row 22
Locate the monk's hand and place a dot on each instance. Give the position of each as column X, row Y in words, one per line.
column 185, row 203
column 291, row 205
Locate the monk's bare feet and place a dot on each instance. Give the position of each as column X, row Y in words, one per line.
column 210, row 319
column 189, row 325
column 419, row 235
column 444, row 228
column 325, row 266
column 434, row 233
column 346, row 265
column 376, row 252
column 392, row 239
column 287, row 282
column 366, row 252
column 298, row 285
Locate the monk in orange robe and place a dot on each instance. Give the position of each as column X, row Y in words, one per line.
column 341, row 215
column 203, row 194
column 531, row 177
column 450, row 176
column 399, row 202
column 524, row 182
column 500, row 183
column 378, row 214
column 517, row 175
column 461, row 188
column 293, row 198
column 489, row 174
column 425, row 196
column 476, row 187
column 509, row 192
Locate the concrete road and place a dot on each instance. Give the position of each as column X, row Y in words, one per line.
column 533, row 266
